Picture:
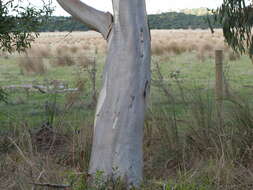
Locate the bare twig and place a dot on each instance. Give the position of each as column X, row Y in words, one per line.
column 161, row 84
column 29, row 162
column 41, row 88
column 56, row 186
column 248, row 86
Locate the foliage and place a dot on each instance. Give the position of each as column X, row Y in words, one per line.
column 185, row 186
column 174, row 20
column 171, row 20
column 236, row 17
column 60, row 23
column 18, row 22
column 3, row 95
column 188, row 18
column 196, row 11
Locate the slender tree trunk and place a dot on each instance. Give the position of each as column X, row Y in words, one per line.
column 119, row 119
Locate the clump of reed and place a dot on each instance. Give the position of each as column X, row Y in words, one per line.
column 201, row 148
column 200, row 42
column 233, row 56
column 32, row 65
column 33, row 60
column 164, row 43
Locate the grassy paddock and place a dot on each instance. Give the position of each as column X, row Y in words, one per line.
column 46, row 133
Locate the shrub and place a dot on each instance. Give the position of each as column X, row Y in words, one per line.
column 32, row 65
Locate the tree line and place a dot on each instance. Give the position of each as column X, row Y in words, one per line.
column 170, row 20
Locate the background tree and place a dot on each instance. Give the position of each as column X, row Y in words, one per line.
column 20, row 24
column 3, row 96
column 119, row 119
column 236, row 18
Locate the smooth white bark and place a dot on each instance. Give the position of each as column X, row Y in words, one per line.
column 119, row 120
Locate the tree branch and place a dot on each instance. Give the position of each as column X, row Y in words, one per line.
column 57, row 186
column 95, row 19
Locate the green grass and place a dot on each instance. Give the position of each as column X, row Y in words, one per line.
column 29, row 106
column 191, row 75
column 183, row 145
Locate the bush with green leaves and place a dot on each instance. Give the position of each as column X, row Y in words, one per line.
column 3, row 95
column 236, row 18
column 20, row 23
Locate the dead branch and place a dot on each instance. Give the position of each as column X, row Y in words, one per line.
column 40, row 88
column 56, row 186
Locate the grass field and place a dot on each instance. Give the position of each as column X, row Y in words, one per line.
column 56, row 82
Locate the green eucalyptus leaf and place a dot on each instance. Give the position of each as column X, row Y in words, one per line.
column 236, row 18
column 20, row 25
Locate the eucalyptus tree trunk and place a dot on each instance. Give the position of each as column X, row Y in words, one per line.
column 119, row 119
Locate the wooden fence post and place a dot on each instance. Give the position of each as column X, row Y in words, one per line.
column 219, row 84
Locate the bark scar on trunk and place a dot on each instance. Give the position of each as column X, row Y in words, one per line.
column 146, row 89
column 142, row 42
column 132, row 101
column 149, row 32
column 115, row 122
column 116, row 118
column 101, row 100
column 110, row 26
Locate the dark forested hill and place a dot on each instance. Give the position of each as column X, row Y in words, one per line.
column 170, row 20
column 174, row 20
column 59, row 23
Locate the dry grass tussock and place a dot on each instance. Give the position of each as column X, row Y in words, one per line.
column 64, row 47
column 30, row 65
column 163, row 41
column 60, row 49
column 204, row 156
column 44, row 156
column 67, row 49
column 176, row 42
column 74, row 43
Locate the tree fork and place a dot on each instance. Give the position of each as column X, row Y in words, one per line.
column 95, row 19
